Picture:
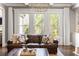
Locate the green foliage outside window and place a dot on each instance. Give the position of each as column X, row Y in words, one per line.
column 54, row 24
column 38, row 23
column 25, row 23
column 26, row 29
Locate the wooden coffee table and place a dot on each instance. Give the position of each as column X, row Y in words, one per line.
column 38, row 52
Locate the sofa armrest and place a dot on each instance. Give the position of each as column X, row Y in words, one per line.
column 9, row 42
column 55, row 41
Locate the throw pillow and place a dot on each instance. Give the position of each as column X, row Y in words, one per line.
column 15, row 38
column 45, row 39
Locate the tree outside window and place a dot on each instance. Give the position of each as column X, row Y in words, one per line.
column 24, row 23
column 38, row 23
column 54, row 25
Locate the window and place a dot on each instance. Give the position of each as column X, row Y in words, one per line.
column 38, row 23
column 24, row 24
column 54, row 25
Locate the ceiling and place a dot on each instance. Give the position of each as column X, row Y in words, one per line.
column 39, row 4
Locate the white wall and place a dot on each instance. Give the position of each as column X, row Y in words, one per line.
column 77, row 30
column 3, row 22
column 72, row 27
column 10, row 22
column 5, row 26
column 77, row 39
column 61, row 28
column 66, row 26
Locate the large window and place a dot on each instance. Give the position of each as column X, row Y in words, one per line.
column 54, row 24
column 38, row 22
column 24, row 24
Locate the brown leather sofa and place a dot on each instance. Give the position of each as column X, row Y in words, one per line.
column 34, row 38
column 52, row 48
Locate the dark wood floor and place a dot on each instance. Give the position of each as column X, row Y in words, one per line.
column 65, row 50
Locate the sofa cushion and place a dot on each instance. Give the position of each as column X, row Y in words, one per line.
column 34, row 38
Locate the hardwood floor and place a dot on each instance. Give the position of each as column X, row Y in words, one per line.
column 65, row 50
column 3, row 51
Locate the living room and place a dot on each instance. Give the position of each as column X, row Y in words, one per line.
column 48, row 28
